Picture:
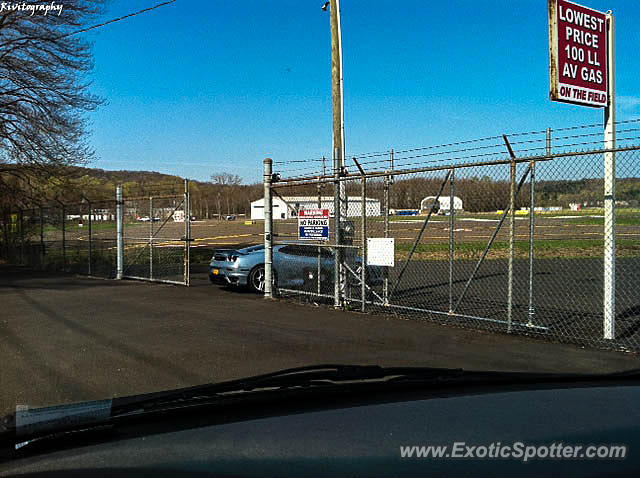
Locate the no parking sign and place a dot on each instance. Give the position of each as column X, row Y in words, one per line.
column 313, row 225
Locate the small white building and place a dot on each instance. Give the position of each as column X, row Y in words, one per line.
column 290, row 207
column 443, row 203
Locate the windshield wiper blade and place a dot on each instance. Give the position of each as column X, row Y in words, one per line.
column 324, row 375
column 312, row 375
column 309, row 377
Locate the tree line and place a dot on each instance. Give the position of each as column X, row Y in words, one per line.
column 225, row 193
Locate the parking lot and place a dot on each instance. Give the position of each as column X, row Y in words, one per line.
column 68, row 338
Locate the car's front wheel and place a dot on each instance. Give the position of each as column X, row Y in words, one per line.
column 257, row 278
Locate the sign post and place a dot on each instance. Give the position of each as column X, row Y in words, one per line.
column 582, row 71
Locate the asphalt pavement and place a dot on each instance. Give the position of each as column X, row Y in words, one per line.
column 67, row 339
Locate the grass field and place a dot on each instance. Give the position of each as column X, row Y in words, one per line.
column 543, row 249
column 624, row 216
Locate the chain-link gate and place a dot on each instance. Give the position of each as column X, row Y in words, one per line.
column 156, row 238
column 513, row 244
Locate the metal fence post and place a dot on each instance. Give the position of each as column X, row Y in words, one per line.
column 512, row 230
column 452, row 183
column 512, row 243
column 119, row 232
column 21, row 215
column 532, row 226
column 187, row 233
column 363, row 266
column 609, row 326
column 42, row 251
column 385, row 284
column 268, row 229
column 64, row 240
column 89, row 225
column 150, row 237
column 319, row 264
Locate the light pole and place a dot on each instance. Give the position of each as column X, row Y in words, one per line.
column 337, row 92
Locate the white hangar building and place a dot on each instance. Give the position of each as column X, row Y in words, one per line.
column 443, row 202
column 291, row 205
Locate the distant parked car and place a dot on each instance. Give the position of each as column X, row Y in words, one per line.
column 230, row 217
column 294, row 265
column 143, row 219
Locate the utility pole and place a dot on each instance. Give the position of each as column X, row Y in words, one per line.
column 337, row 92
column 337, row 83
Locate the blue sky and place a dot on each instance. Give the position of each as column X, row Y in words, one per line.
column 205, row 86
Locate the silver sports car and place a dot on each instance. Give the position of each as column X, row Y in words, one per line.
column 294, row 266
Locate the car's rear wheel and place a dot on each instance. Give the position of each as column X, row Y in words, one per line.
column 257, row 278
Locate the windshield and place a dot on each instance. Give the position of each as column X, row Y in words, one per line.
column 200, row 191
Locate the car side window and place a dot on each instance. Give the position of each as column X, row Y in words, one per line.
column 285, row 250
column 293, row 250
column 306, row 251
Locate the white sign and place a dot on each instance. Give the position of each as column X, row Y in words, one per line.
column 381, row 251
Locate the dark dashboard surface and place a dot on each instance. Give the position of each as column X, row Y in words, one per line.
column 366, row 440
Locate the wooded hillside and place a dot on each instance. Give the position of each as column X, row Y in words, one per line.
column 225, row 194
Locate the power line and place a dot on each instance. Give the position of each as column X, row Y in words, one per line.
column 145, row 10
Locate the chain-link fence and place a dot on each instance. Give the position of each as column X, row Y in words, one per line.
column 83, row 238
column 78, row 238
column 507, row 234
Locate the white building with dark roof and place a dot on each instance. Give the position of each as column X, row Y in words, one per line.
column 291, row 205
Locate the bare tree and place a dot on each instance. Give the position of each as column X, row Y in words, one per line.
column 44, row 90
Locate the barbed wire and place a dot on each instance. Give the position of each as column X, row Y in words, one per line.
column 466, row 158
column 313, row 171
column 301, row 160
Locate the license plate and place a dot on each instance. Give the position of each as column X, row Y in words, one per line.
column 216, row 272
